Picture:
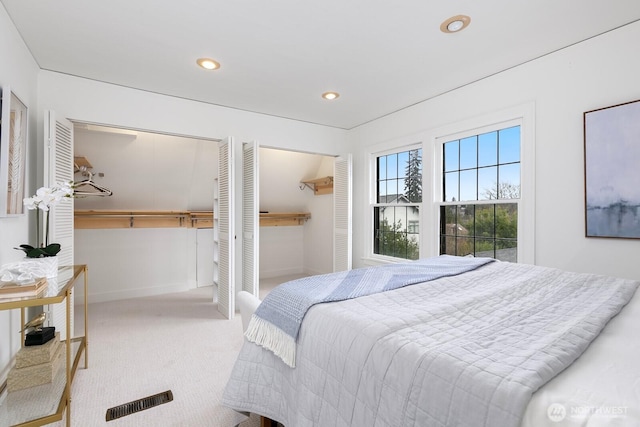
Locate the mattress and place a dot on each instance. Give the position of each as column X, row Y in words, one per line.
column 602, row 387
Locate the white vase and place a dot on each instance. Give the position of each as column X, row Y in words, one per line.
column 30, row 269
column 40, row 267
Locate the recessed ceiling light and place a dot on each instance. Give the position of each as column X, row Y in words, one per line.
column 455, row 24
column 208, row 63
column 330, row 95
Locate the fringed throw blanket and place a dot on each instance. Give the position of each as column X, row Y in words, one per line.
column 276, row 322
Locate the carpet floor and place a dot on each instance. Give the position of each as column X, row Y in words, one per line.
column 144, row 346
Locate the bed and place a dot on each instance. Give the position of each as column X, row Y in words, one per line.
column 428, row 354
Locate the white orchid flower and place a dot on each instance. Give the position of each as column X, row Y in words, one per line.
column 66, row 188
column 31, row 203
column 46, row 197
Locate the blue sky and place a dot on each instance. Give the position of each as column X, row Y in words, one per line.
column 478, row 163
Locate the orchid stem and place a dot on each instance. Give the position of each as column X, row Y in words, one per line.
column 37, row 226
column 46, row 241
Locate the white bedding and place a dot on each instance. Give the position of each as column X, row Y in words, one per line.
column 602, row 387
column 361, row 362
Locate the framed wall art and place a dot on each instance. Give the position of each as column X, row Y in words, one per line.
column 13, row 153
column 612, row 177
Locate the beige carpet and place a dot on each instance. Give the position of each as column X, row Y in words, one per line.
column 144, row 346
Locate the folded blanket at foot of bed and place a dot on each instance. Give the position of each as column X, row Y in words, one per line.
column 276, row 322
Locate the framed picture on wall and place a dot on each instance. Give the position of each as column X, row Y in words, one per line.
column 612, row 180
column 13, row 154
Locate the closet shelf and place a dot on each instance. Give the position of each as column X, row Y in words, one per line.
column 81, row 161
column 319, row 185
column 279, row 219
column 93, row 219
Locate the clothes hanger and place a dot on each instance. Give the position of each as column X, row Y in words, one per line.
column 87, row 187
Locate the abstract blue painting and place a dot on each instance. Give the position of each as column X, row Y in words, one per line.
column 612, row 171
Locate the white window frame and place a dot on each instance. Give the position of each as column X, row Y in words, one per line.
column 396, row 146
column 523, row 116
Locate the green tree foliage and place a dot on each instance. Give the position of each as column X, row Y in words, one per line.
column 393, row 240
column 413, row 177
column 481, row 228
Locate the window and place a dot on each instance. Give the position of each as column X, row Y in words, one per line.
column 396, row 210
column 481, row 194
column 475, row 196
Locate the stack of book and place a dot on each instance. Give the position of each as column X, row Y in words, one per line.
column 36, row 365
column 15, row 290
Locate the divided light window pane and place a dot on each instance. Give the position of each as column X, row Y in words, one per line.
column 392, row 190
column 469, row 185
column 509, row 183
column 382, row 167
column 488, row 149
column 488, row 183
column 382, row 191
column 451, row 156
column 392, row 166
column 451, row 187
column 509, row 145
column 403, row 159
column 469, row 153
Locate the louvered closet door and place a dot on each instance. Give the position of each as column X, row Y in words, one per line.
column 225, row 235
column 250, row 217
column 58, row 167
column 342, row 214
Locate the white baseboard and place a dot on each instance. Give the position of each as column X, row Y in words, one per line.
column 137, row 293
column 283, row 272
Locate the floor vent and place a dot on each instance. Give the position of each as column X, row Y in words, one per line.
column 139, row 405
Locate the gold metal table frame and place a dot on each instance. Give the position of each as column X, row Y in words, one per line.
column 74, row 347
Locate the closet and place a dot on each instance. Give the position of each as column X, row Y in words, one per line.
column 156, row 227
column 153, row 234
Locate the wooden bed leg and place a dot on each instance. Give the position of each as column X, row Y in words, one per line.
column 266, row 422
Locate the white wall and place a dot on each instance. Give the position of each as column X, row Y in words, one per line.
column 19, row 71
column 280, row 174
column 294, row 249
column 597, row 73
column 318, row 234
column 134, row 262
column 281, row 251
column 96, row 102
column 148, row 171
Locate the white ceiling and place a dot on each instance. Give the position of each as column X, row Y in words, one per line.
column 279, row 56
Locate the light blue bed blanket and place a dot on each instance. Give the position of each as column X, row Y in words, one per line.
column 276, row 322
